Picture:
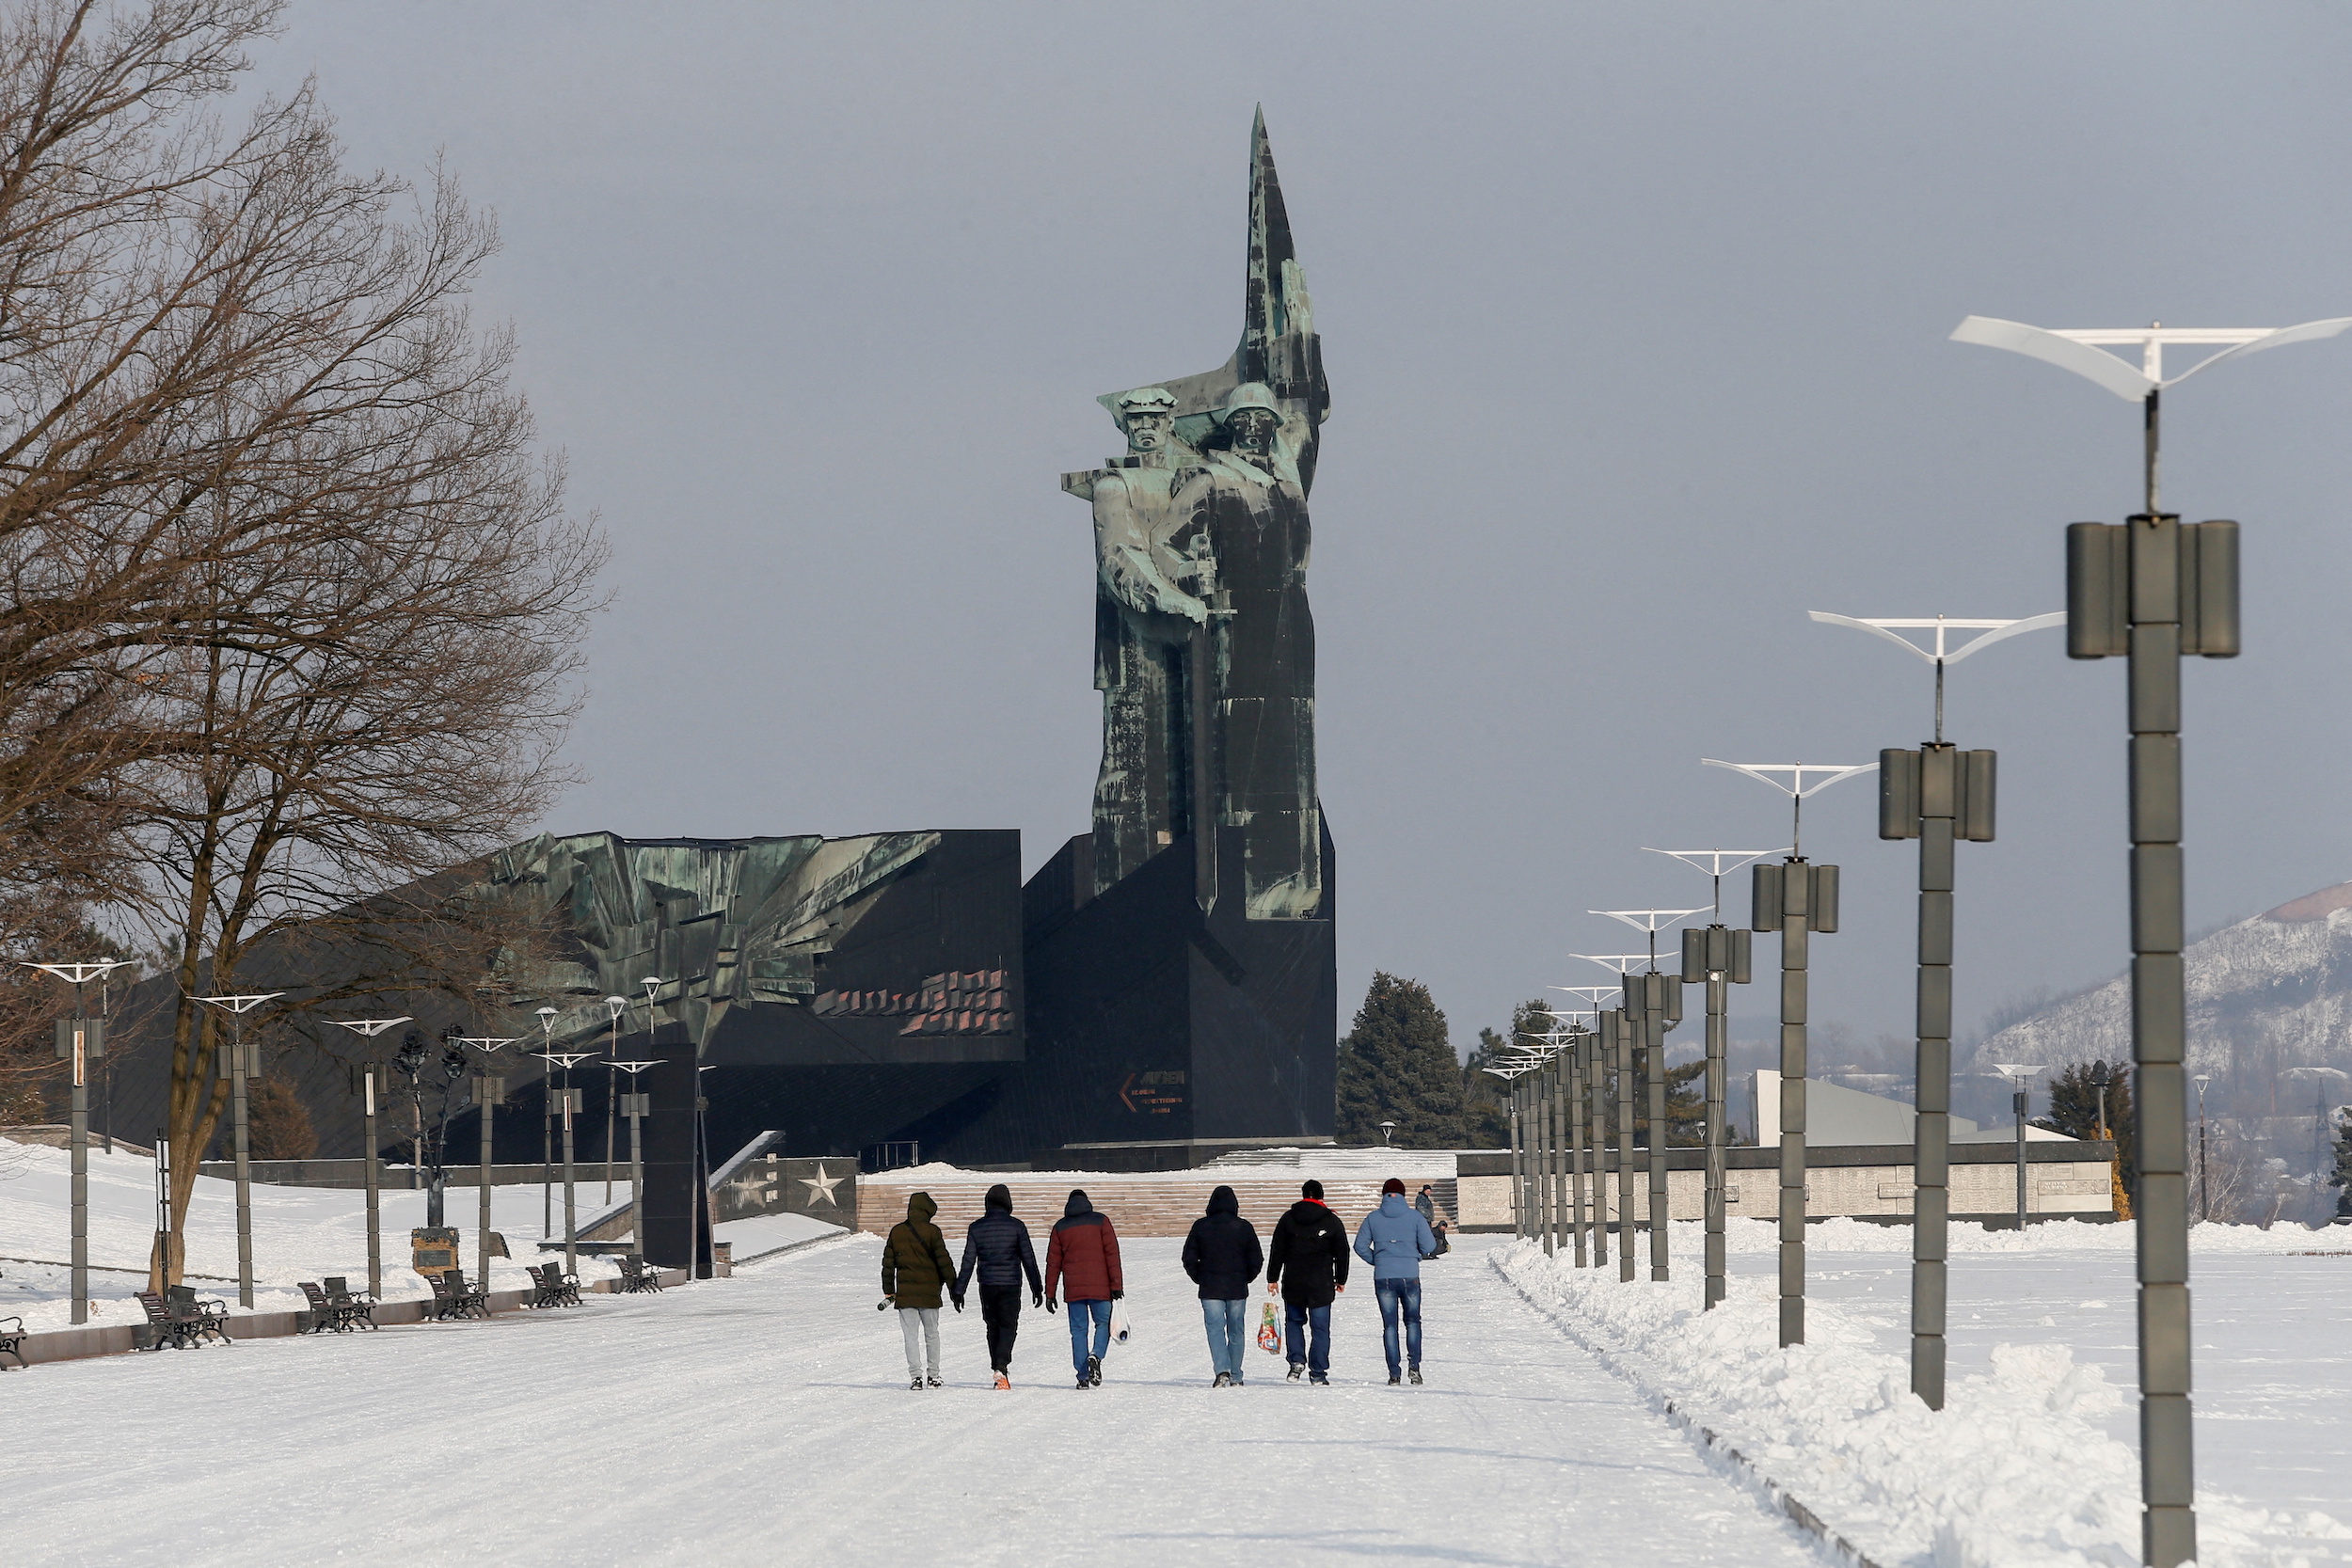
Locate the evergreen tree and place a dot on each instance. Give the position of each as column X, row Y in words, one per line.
column 2075, row 1112
column 1486, row 1099
column 2343, row 1177
column 276, row 1127
column 1395, row 1065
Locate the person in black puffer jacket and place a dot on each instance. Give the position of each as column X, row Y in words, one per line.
column 998, row 1245
column 1308, row 1262
column 1222, row 1257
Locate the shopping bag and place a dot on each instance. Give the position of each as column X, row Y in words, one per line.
column 1118, row 1323
column 1269, row 1336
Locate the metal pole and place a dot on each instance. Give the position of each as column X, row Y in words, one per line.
column 489, row 1096
column 80, row 1140
column 2019, row 1102
column 1556, row 1113
column 1796, row 884
column 1654, row 1029
column 1718, row 1046
column 1627, row 1025
column 375, row 1233
column 163, row 1203
column 547, row 1155
column 636, row 1173
column 1931, row 1124
column 1595, row 1080
column 1518, row 1208
column 239, row 1068
column 571, row 1224
column 1547, row 1119
column 1580, row 1216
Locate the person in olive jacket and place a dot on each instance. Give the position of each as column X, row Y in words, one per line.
column 998, row 1245
column 1308, row 1262
column 1083, row 1258
column 916, row 1269
column 1222, row 1257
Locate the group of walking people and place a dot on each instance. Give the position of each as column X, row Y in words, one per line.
column 1305, row 1262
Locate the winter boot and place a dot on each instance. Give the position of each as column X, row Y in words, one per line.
column 932, row 1380
column 1224, row 1380
column 1319, row 1381
column 916, row 1386
column 1094, row 1371
column 1002, row 1380
column 1415, row 1374
column 1297, row 1368
column 1394, row 1380
column 1083, row 1384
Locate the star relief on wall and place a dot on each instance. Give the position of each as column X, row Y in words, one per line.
column 821, row 1186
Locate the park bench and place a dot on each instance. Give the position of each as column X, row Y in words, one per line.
column 454, row 1299
column 322, row 1314
column 181, row 1319
column 12, row 1338
column 357, row 1310
column 552, row 1286
column 636, row 1276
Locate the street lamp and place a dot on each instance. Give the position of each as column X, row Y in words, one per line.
column 1795, row 899
column 1720, row 957
column 489, row 1092
column 243, row 1067
column 1509, row 1074
column 1385, row 1127
column 1937, row 794
column 2155, row 589
column 615, row 1007
column 80, row 1040
column 1617, row 1029
column 1588, row 1121
column 2022, row 1101
column 369, row 1028
column 565, row 1061
column 1655, row 1000
column 2204, row 1176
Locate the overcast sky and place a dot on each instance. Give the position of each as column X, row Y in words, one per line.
column 1635, row 323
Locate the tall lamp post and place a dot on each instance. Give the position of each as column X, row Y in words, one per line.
column 1584, row 1156
column 81, row 1039
column 369, row 1028
column 615, row 1007
column 1720, row 956
column 1618, row 1031
column 1796, row 900
column 2204, row 1178
column 1657, row 997
column 565, row 1061
column 489, row 1092
column 2154, row 590
column 1939, row 796
column 2021, row 1102
column 245, row 1065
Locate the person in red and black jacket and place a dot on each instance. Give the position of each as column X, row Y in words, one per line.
column 1083, row 1258
column 1308, row 1263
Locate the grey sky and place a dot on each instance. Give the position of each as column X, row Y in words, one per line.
column 1634, row 319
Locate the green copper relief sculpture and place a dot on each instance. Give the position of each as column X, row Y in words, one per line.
column 1205, row 642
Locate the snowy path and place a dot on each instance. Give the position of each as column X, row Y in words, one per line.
column 764, row 1418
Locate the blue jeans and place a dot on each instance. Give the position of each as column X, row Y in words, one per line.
column 1228, row 1322
column 1314, row 1351
column 1081, row 1314
column 1395, row 1296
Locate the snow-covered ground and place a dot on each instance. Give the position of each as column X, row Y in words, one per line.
column 298, row 1233
column 2034, row 1460
column 765, row 1418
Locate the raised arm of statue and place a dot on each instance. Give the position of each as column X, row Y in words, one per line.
column 1130, row 512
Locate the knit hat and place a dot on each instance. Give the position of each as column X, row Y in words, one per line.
column 1310, row 1188
column 1392, row 1184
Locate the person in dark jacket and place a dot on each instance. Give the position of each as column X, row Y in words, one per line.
column 1083, row 1259
column 998, row 1245
column 1222, row 1257
column 916, row 1269
column 1307, row 1262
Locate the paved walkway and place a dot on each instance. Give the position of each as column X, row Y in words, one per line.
column 765, row 1419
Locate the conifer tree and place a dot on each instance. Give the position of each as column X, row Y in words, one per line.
column 1395, row 1065
column 277, row 1126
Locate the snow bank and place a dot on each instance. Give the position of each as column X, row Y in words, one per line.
column 1852, row 1235
column 2016, row 1472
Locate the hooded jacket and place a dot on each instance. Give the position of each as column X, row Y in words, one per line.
column 998, row 1245
column 916, row 1265
column 1222, row 1255
column 1308, row 1257
column 1083, row 1256
column 1395, row 1238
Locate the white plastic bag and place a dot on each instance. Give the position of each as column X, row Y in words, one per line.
column 1118, row 1323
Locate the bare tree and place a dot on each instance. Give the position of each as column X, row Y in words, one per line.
column 291, row 609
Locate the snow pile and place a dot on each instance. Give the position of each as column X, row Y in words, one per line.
column 1843, row 1234
column 2016, row 1472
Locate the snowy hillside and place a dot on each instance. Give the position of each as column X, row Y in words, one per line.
column 2265, row 996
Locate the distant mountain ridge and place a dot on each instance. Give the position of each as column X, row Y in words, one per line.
column 2268, row 994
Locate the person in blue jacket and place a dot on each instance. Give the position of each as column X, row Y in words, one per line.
column 1395, row 1238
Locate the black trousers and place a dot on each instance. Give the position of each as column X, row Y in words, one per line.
column 1000, row 1309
